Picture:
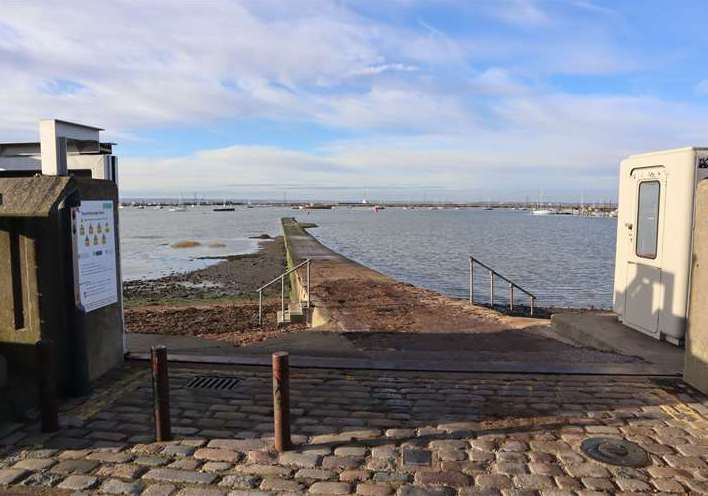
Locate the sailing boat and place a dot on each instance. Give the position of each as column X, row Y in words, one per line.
column 179, row 207
column 538, row 210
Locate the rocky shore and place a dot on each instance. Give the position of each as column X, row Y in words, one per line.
column 235, row 276
column 218, row 302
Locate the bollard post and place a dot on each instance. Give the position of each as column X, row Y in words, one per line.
column 281, row 401
column 160, row 393
column 48, row 403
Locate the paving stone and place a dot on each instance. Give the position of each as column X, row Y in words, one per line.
column 10, row 476
column 534, row 481
column 303, row 460
column 598, row 483
column 315, row 473
column 668, row 485
column 368, row 489
column 182, row 476
column 216, row 466
column 391, row 477
column 350, row 451
column 200, row 491
column 240, row 481
column 425, row 491
column 70, row 467
column 416, row 457
column 277, row 484
column 35, row 464
column 330, row 488
column 493, row 481
column 151, row 461
column 217, row 455
column 121, row 471
column 435, row 478
column 78, row 482
column 342, row 462
column 178, row 450
column 354, row 475
column 116, row 486
column 509, row 468
column 241, row 445
column 633, row 485
column 264, row 470
column 108, row 457
column 249, row 492
column 587, row 470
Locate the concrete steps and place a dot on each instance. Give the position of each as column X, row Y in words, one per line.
column 295, row 314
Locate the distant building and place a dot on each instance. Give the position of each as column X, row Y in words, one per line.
column 63, row 148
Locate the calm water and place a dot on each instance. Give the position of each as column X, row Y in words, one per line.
column 564, row 260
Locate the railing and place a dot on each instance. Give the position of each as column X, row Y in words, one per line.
column 281, row 278
column 492, row 274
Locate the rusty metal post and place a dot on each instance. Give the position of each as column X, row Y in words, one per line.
column 281, row 401
column 160, row 393
column 531, row 301
column 48, row 403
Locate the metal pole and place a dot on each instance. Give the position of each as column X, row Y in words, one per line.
column 511, row 297
column 48, row 404
column 531, row 298
column 471, row 280
column 282, row 295
column 491, row 288
column 308, row 284
column 260, row 308
column 160, row 393
column 281, row 401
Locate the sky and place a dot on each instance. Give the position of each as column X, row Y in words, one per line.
column 437, row 100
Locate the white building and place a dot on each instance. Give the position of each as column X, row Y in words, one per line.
column 63, row 147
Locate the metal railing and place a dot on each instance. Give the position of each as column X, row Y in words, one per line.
column 492, row 274
column 281, row 278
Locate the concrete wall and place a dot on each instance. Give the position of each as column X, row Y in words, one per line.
column 696, row 370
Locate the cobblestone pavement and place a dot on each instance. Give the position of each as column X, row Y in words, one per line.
column 369, row 433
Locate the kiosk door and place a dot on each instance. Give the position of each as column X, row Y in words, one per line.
column 644, row 293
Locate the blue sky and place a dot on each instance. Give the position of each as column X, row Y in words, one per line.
column 398, row 99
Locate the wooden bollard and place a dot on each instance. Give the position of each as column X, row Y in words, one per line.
column 281, row 401
column 160, row 393
column 48, row 403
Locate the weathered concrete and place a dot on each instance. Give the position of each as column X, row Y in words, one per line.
column 602, row 331
column 696, row 372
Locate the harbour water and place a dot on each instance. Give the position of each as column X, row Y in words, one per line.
column 564, row 260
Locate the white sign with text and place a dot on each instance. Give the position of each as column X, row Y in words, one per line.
column 93, row 232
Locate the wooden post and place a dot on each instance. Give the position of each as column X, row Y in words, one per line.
column 281, row 401
column 48, row 404
column 160, row 393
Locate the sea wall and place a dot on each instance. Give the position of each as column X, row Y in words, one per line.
column 294, row 236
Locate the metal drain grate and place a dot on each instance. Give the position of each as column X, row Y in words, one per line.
column 213, row 382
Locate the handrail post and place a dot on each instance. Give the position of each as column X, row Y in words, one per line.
column 511, row 297
column 282, row 295
column 491, row 288
column 471, row 281
column 308, row 284
column 260, row 307
column 531, row 298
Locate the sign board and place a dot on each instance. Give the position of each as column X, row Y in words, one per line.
column 93, row 233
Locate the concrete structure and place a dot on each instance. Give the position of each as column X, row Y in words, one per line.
column 64, row 147
column 696, row 369
column 654, row 236
column 53, row 284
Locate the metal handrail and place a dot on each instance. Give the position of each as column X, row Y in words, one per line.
column 281, row 278
column 512, row 285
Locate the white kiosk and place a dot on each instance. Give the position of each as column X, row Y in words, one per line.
column 654, row 239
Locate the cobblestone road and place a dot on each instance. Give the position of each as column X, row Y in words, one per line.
column 369, row 433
